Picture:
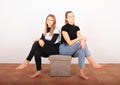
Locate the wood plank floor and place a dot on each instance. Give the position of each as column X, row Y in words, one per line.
column 110, row 75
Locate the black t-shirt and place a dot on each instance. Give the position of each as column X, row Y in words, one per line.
column 71, row 30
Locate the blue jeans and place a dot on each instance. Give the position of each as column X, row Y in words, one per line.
column 75, row 50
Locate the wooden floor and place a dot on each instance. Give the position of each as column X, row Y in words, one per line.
column 110, row 75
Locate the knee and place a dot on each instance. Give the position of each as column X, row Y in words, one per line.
column 36, row 44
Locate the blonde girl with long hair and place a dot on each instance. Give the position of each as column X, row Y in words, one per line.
column 47, row 45
column 74, row 44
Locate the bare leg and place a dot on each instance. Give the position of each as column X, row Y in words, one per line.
column 82, row 75
column 37, row 74
column 23, row 65
column 94, row 64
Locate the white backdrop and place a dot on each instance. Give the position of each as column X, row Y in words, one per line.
column 22, row 21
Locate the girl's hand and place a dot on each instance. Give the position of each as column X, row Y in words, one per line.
column 41, row 43
column 82, row 44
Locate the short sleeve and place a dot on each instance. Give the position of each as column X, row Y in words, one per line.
column 64, row 28
column 77, row 28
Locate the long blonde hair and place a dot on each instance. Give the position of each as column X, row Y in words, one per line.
column 52, row 27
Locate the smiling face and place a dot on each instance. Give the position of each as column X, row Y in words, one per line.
column 50, row 21
column 70, row 18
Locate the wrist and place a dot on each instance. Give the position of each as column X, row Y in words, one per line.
column 82, row 41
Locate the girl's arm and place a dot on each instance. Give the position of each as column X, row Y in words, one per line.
column 43, row 41
column 83, row 39
column 67, row 38
column 52, row 41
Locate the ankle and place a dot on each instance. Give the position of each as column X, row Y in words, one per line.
column 37, row 74
column 26, row 62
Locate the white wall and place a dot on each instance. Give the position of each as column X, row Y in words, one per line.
column 21, row 21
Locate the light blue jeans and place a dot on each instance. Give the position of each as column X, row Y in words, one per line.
column 75, row 50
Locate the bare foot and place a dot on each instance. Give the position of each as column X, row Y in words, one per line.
column 23, row 65
column 84, row 77
column 98, row 66
column 37, row 74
